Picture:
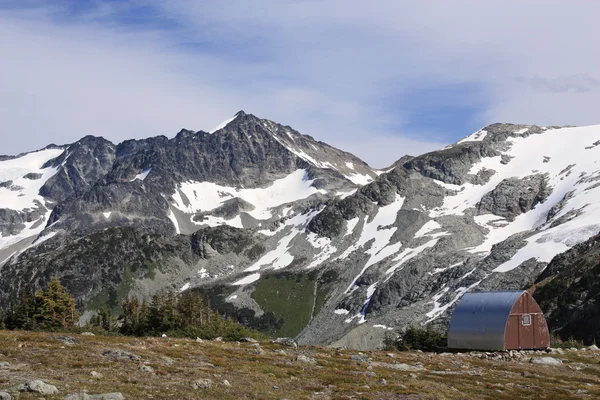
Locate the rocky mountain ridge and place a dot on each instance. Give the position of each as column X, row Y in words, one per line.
column 361, row 252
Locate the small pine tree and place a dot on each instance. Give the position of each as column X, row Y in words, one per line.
column 105, row 318
column 55, row 307
column 25, row 309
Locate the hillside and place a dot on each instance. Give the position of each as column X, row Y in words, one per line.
column 142, row 368
column 263, row 219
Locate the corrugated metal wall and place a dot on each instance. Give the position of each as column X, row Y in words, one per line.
column 494, row 321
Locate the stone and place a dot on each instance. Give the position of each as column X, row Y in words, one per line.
column 103, row 396
column 370, row 374
column 285, row 341
column 593, row 347
column 146, row 368
column 382, row 381
column 398, row 366
column 218, row 339
column 198, row 340
column 577, row 366
column 87, row 334
column 96, row 375
column 38, row 386
column 5, row 396
column 202, row 384
column 4, row 365
column 225, row 382
column 546, row 361
column 248, row 340
column 122, row 355
column 305, row 359
column 68, row 340
column 360, row 358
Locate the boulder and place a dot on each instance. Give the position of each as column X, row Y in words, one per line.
column 546, row 361
column 285, row 341
column 68, row 340
column 398, row 366
column 87, row 334
column 5, row 396
column 104, row 396
column 146, row 368
column 122, row 355
column 360, row 358
column 37, row 386
column 202, row 384
column 305, row 359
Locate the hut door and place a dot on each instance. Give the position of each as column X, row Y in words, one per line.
column 526, row 332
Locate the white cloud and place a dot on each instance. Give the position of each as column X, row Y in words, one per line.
column 332, row 69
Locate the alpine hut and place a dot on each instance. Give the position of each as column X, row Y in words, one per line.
column 498, row 321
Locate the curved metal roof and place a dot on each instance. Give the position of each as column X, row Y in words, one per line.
column 479, row 320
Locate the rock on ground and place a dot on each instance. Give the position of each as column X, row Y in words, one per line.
column 38, row 386
column 286, row 341
column 146, row 368
column 104, row 396
column 69, row 340
column 121, row 355
column 398, row 366
column 5, row 396
column 546, row 361
column 306, row 359
column 202, row 384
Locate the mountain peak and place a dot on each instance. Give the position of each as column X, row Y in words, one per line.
column 223, row 124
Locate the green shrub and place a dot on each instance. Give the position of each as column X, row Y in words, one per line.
column 413, row 338
column 557, row 342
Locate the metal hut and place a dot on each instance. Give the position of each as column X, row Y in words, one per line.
column 498, row 321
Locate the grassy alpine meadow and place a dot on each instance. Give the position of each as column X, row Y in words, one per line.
column 167, row 368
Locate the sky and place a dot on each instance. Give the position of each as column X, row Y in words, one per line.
column 380, row 79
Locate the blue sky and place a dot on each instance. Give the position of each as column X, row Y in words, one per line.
column 379, row 79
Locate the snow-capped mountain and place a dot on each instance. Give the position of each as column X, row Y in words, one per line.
column 264, row 219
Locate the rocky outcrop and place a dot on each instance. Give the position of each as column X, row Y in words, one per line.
column 79, row 168
column 568, row 290
column 514, row 196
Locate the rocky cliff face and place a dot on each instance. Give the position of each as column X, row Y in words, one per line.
column 255, row 213
column 568, row 290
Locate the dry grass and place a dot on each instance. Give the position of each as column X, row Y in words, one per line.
column 276, row 375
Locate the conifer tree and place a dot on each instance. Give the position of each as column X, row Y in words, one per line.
column 55, row 307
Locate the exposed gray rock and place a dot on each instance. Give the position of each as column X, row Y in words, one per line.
column 104, row 396
column 305, row 359
column 32, row 176
column 146, row 368
column 68, row 340
column 555, row 362
column 202, row 384
column 398, row 366
column 5, row 396
column 513, row 196
column 121, row 355
column 361, row 358
column 285, row 341
column 38, row 386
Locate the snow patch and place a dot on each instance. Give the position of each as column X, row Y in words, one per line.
column 185, row 287
column 341, row 311
column 142, row 175
column 247, row 280
column 206, row 196
column 223, row 124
